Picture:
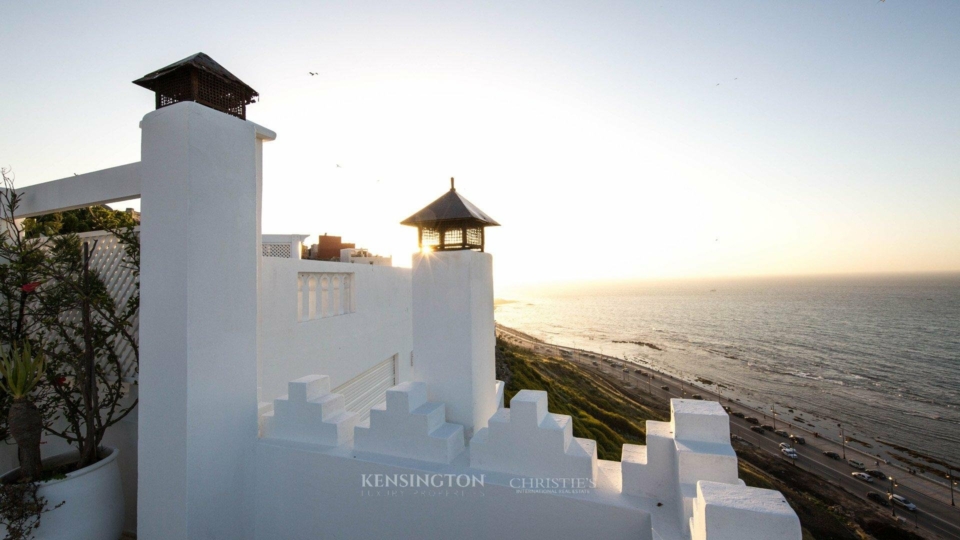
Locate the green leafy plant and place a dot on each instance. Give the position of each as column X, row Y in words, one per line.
column 21, row 371
column 51, row 294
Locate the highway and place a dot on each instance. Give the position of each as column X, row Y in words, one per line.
column 935, row 514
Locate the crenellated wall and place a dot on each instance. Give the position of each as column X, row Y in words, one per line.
column 537, row 480
column 528, row 440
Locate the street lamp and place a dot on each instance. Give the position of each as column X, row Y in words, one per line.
column 893, row 483
column 773, row 412
column 843, row 441
column 952, row 483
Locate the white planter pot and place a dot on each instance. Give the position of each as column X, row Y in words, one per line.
column 92, row 501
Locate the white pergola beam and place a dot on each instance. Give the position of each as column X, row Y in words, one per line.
column 99, row 187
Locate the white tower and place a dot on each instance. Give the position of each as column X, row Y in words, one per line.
column 453, row 329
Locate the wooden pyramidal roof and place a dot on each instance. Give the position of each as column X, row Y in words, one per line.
column 202, row 62
column 450, row 207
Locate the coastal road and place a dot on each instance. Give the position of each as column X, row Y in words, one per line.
column 935, row 514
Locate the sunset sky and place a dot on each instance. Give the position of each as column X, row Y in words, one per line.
column 612, row 140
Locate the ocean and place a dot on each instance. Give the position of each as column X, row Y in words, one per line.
column 880, row 355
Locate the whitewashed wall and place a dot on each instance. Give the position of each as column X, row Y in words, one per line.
column 309, row 493
column 340, row 346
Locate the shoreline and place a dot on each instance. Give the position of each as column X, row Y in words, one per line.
column 823, row 428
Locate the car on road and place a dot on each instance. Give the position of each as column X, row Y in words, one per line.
column 782, row 433
column 862, row 476
column 667, row 388
column 797, row 439
column 696, row 396
column 626, row 370
column 767, row 427
column 878, row 498
column 856, row 464
column 758, row 429
column 596, row 363
column 900, row 500
column 789, row 452
column 877, row 474
column 739, row 414
column 752, row 420
column 638, row 370
column 831, row 454
column 784, row 445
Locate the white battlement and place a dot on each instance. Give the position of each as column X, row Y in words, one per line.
column 528, row 440
column 733, row 512
column 702, row 421
column 705, row 461
column 310, row 413
column 649, row 470
column 409, row 426
column 694, row 446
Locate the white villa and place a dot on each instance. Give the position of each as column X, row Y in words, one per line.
column 291, row 399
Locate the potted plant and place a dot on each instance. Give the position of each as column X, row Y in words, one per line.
column 21, row 505
column 86, row 385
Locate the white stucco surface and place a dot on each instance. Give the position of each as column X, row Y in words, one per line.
column 732, row 512
column 698, row 420
column 407, row 425
column 310, row 413
column 650, row 469
column 198, row 324
column 342, row 346
column 527, row 440
column 309, row 493
column 705, row 461
column 98, row 187
column 453, row 333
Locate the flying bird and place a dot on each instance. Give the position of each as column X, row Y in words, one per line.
column 312, row 73
column 338, row 166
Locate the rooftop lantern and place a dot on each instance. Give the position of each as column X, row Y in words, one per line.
column 201, row 79
column 450, row 223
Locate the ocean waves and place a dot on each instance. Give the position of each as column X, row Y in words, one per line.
column 877, row 353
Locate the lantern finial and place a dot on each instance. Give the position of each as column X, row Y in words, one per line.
column 201, row 79
column 450, row 223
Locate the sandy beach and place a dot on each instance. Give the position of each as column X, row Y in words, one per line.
column 858, row 444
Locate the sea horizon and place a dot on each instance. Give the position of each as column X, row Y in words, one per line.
column 875, row 352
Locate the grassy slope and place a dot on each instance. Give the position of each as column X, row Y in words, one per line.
column 599, row 410
column 602, row 411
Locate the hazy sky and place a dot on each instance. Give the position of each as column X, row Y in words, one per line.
column 613, row 140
